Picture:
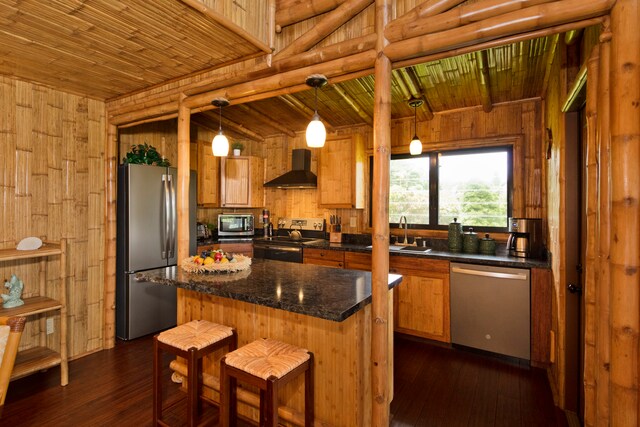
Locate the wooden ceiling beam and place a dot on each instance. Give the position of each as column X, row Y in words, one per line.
column 353, row 103
column 326, row 26
column 421, row 11
column 210, row 121
column 483, row 77
column 497, row 42
column 546, row 15
column 417, row 91
column 228, row 24
column 301, row 108
column 294, row 11
column 330, row 69
column 257, row 115
column 403, row 29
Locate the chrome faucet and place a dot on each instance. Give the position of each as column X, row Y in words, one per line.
column 405, row 227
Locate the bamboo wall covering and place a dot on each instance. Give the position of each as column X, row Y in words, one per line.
column 52, row 186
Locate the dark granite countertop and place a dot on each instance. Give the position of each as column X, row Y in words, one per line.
column 501, row 259
column 324, row 292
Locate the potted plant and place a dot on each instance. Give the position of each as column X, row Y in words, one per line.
column 237, row 148
column 145, row 154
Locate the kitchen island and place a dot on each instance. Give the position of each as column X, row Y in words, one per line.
column 322, row 309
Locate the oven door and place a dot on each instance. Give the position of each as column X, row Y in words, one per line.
column 278, row 252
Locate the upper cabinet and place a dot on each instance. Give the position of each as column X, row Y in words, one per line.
column 208, row 176
column 242, row 179
column 341, row 168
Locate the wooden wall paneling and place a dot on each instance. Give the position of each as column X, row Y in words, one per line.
column 603, row 226
column 590, row 238
column 541, row 295
column 53, row 187
column 162, row 135
column 625, row 212
column 555, row 213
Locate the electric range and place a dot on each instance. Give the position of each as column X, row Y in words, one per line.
column 282, row 246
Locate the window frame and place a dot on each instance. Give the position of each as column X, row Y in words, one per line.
column 434, row 158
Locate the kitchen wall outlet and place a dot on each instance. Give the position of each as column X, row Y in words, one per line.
column 49, row 325
column 352, row 222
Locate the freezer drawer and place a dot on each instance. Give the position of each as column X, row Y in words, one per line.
column 145, row 308
column 490, row 308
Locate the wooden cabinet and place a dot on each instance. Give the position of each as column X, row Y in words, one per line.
column 323, row 257
column 234, row 248
column 341, row 169
column 242, row 182
column 421, row 302
column 208, row 176
column 38, row 308
column 357, row 261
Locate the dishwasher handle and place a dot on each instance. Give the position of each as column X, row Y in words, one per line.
column 497, row 275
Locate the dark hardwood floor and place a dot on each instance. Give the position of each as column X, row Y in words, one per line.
column 434, row 386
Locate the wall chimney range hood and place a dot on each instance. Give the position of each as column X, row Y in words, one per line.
column 300, row 175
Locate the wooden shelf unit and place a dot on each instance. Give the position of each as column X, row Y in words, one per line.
column 41, row 357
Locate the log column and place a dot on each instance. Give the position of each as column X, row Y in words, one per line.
column 603, row 335
column 182, row 201
column 380, row 328
column 110, row 190
column 625, row 212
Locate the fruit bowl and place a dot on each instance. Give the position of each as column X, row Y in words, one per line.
column 216, row 261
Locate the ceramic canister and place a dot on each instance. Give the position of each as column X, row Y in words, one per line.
column 455, row 236
column 487, row 245
column 470, row 242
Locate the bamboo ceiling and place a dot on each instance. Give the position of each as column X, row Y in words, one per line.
column 105, row 48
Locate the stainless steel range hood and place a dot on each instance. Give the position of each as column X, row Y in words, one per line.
column 300, row 175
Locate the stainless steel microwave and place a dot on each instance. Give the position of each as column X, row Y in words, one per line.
column 235, row 225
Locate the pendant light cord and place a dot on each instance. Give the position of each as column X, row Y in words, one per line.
column 316, row 108
column 220, row 121
column 415, row 120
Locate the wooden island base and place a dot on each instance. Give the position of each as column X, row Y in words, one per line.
column 342, row 353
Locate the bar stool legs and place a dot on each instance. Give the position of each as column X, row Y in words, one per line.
column 266, row 373
column 192, row 341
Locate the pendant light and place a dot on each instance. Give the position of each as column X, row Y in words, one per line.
column 220, row 143
column 415, row 147
column 316, row 132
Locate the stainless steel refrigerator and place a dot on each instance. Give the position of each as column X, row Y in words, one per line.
column 146, row 240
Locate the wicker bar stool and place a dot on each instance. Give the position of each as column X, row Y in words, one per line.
column 193, row 341
column 266, row 364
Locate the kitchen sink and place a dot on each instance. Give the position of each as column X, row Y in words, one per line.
column 409, row 248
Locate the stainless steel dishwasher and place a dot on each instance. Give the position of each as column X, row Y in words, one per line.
column 490, row 308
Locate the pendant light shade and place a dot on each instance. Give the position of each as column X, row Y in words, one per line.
column 220, row 143
column 316, row 132
column 415, row 147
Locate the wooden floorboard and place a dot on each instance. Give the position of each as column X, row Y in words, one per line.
column 434, row 386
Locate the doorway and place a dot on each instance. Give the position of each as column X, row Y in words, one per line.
column 575, row 125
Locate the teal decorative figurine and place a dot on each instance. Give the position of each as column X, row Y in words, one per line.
column 12, row 299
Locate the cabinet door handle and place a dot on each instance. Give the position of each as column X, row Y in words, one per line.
column 339, row 264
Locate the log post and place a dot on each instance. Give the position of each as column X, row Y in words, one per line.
column 110, row 193
column 182, row 188
column 603, row 335
column 591, row 240
column 380, row 328
column 625, row 212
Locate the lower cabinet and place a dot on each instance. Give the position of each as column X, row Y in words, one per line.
column 325, row 257
column 420, row 302
column 234, row 248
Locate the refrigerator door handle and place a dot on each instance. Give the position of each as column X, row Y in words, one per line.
column 166, row 231
column 172, row 218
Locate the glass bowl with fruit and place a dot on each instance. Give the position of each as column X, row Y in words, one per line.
column 216, row 261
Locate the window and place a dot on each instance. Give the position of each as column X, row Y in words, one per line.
column 472, row 185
